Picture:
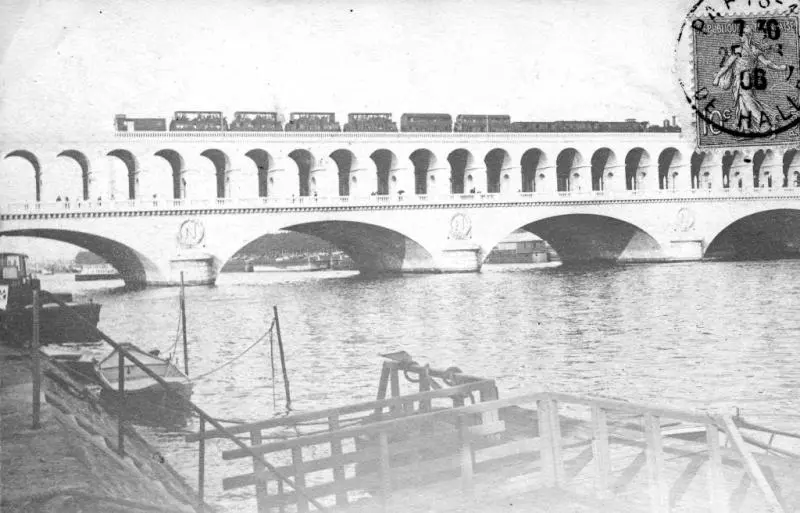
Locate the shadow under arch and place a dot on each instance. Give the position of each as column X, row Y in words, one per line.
column 460, row 160
column 221, row 164
column 581, row 238
column 346, row 161
column 496, row 160
column 37, row 168
column 374, row 249
column 533, row 161
column 767, row 235
column 385, row 161
column 264, row 162
column 423, row 160
column 131, row 165
column 83, row 163
column 132, row 266
column 603, row 163
column 637, row 161
column 175, row 161
column 305, row 161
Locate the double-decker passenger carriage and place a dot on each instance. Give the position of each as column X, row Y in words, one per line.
column 629, row 125
column 531, row 126
column 370, row 122
column 482, row 123
column 312, row 122
column 255, row 122
column 198, row 121
column 426, row 123
column 126, row 124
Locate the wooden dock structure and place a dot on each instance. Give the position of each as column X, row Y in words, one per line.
column 432, row 451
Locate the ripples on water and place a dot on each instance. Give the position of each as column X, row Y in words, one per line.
column 694, row 335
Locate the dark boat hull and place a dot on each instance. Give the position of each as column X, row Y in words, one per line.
column 56, row 325
column 153, row 406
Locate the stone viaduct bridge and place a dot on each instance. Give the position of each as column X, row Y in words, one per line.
column 157, row 204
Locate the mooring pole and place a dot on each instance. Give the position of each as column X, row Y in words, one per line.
column 283, row 359
column 37, row 370
column 183, row 326
column 121, row 406
column 201, row 477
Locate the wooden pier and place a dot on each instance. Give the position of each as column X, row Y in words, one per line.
column 432, row 451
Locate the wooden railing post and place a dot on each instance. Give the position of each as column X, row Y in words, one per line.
column 385, row 468
column 715, row 484
column 600, row 449
column 751, row 465
column 466, row 457
column 425, row 386
column 299, row 480
column 545, row 442
column 336, row 454
column 201, row 465
column 659, row 500
column 555, row 434
column 262, row 495
column 36, row 365
column 121, row 406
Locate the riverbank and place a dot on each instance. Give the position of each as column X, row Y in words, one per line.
column 70, row 463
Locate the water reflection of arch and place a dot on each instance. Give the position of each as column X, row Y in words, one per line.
column 177, row 165
column 637, row 163
column 568, row 164
column 461, row 160
column 497, row 161
column 37, row 168
column 669, row 162
column 533, row 165
column 83, row 162
column 386, row 169
column 423, row 160
column 603, row 164
column 132, row 170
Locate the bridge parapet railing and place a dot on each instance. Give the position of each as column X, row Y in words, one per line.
column 619, row 454
column 156, row 204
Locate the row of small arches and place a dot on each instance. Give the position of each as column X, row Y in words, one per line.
column 537, row 171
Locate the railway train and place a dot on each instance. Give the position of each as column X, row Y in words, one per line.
column 252, row 121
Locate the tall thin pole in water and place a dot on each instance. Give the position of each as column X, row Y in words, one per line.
column 283, row 359
column 37, row 370
column 183, row 329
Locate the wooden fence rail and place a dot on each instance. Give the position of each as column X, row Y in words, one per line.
column 640, row 455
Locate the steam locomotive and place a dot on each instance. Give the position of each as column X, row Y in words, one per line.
column 251, row 121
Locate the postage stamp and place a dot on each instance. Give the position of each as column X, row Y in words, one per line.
column 745, row 78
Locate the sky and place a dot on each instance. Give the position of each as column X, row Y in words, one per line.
column 68, row 66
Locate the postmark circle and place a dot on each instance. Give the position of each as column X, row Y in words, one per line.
column 739, row 70
column 191, row 233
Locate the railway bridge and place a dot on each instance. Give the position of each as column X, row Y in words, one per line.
column 157, row 204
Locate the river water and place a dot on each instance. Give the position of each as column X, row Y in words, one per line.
column 704, row 336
